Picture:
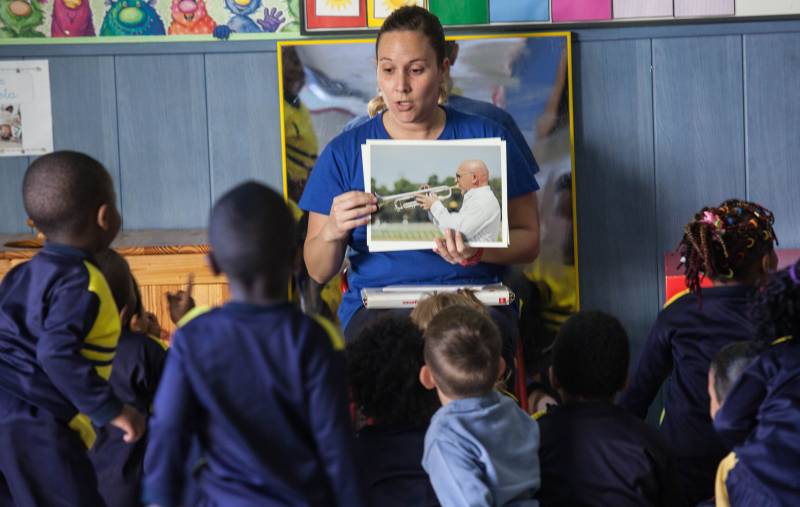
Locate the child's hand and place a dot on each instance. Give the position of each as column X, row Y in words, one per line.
column 181, row 302
column 131, row 422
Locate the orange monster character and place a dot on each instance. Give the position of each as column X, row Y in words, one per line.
column 190, row 17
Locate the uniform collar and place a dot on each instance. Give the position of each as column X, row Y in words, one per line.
column 63, row 250
column 241, row 307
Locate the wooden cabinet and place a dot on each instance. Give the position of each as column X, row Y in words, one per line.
column 160, row 261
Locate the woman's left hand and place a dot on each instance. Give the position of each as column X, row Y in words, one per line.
column 452, row 248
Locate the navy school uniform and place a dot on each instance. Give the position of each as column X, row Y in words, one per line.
column 390, row 459
column 594, row 453
column 135, row 375
column 760, row 419
column 59, row 327
column 684, row 339
column 263, row 389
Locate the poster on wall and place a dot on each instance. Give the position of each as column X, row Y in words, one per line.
column 26, row 121
column 96, row 20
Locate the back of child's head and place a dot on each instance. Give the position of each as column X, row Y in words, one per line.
column 776, row 309
column 462, row 351
column 590, row 356
column 729, row 363
column 62, row 192
column 427, row 308
column 383, row 365
column 120, row 280
column 727, row 242
column 251, row 233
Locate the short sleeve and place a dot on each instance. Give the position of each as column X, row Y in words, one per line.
column 519, row 171
column 328, row 179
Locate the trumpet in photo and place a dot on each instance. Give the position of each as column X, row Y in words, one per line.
column 407, row 200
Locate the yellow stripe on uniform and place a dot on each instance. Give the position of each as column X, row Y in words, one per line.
column 83, row 426
column 782, row 339
column 333, row 332
column 676, row 297
column 720, row 487
column 106, row 328
column 192, row 314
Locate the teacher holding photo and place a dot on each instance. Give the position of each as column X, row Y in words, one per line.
column 411, row 70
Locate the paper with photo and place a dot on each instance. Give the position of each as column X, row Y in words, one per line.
column 466, row 191
column 26, row 122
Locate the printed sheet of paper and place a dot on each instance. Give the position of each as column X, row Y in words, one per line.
column 26, row 120
column 425, row 187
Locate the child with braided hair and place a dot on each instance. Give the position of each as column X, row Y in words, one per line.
column 760, row 417
column 733, row 245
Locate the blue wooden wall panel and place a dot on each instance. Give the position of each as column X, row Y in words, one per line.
column 163, row 141
column 244, row 120
column 772, row 75
column 12, row 212
column 615, row 182
column 699, row 130
column 83, row 92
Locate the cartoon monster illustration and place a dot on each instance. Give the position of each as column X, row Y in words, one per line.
column 72, row 18
column 132, row 17
column 292, row 24
column 190, row 17
column 241, row 22
column 20, row 18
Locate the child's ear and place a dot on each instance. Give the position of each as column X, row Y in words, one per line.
column 104, row 217
column 502, row 369
column 426, row 377
column 553, row 379
column 212, row 264
column 124, row 315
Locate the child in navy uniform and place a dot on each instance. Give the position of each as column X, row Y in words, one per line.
column 58, row 333
column 760, row 417
column 732, row 244
column 383, row 365
column 134, row 377
column 726, row 368
column 480, row 448
column 594, row 453
column 260, row 384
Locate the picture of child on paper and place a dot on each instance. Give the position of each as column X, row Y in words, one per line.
column 425, row 187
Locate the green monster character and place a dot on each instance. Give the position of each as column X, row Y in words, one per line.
column 292, row 23
column 20, row 18
column 132, row 17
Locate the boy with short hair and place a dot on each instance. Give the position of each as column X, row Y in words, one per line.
column 261, row 384
column 726, row 368
column 480, row 448
column 594, row 453
column 59, row 327
column 383, row 365
column 136, row 372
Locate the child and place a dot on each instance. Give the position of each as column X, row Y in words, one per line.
column 260, row 384
column 134, row 377
column 480, row 448
column 760, row 417
column 593, row 453
column 731, row 244
column 383, row 365
column 726, row 368
column 427, row 308
column 58, row 332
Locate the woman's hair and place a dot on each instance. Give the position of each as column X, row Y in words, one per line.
column 412, row 19
column 383, row 365
column 726, row 241
column 427, row 308
column 776, row 309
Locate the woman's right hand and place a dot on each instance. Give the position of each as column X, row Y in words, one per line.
column 348, row 211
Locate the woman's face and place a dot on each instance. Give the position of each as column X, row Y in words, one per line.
column 408, row 76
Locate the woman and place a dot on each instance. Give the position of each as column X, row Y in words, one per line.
column 412, row 66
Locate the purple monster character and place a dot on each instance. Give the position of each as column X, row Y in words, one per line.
column 72, row 18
